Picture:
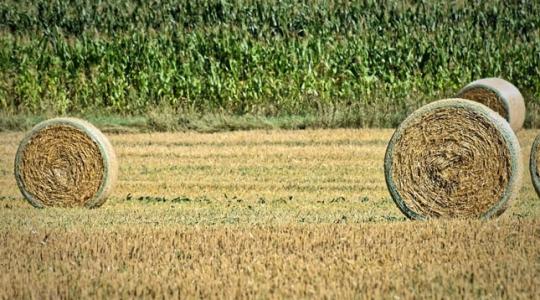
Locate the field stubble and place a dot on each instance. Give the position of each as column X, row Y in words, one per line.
column 260, row 214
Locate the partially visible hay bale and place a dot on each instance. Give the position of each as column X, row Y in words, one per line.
column 499, row 95
column 535, row 164
column 453, row 158
column 65, row 162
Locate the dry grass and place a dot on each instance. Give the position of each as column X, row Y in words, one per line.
column 259, row 214
column 497, row 259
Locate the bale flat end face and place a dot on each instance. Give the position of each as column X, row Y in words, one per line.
column 453, row 159
column 486, row 97
column 499, row 95
column 65, row 162
column 535, row 164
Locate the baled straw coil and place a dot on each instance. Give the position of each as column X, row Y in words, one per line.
column 535, row 164
column 499, row 95
column 453, row 158
column 65, row 162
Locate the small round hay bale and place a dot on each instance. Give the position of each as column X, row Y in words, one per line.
column 535, row 164
column 453, row 158
column 65, row 162
column 499, row 95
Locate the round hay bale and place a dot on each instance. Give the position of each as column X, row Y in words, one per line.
column 453, row 158
column 65, row 162
column 499, row 95
column 535, row 164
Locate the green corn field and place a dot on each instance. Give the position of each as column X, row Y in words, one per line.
column 366, row 64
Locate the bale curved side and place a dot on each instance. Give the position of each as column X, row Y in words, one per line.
column 65, row 162
column 535, row 164
column 453, row 158
column 499, row 95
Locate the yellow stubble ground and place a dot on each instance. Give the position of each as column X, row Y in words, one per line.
column 259, row 214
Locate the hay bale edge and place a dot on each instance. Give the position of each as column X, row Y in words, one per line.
column 533, row 165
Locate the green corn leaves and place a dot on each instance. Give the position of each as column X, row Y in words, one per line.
column 377, row 59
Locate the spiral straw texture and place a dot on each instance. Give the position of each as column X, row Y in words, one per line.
column 65, row 162
column 453, row 158
column 535, row 164
column 499, row 95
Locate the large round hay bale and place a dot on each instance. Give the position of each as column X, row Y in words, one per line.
column 499, row 95
column 65, row 162
column 535, row 164
column 453, row 158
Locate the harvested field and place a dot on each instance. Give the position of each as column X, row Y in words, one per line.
column 259, row 214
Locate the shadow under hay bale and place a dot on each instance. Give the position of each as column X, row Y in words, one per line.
column 65, row 162
column 499, row 95
column 534, row 164
column 453, row 158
